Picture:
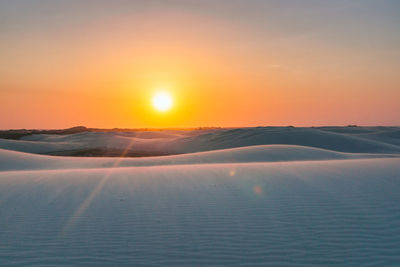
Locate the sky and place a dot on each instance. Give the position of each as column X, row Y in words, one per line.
column 226, row 63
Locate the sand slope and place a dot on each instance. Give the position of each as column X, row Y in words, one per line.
column 341, row 139
column 12, row 160
column 337, row 212
column 307, row 201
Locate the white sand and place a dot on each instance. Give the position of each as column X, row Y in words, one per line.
column 13, row 160
column 262, row 205
column 341, row 139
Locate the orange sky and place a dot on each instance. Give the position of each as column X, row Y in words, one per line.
column 227, row 63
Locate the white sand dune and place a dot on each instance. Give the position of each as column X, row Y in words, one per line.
column 310, row 137
column 12, row 160
column 37, row 146
column 341, row 139
column 391, row 137
column 307, row 201
column 336, row 212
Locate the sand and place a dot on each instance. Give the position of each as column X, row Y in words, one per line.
column 268, row 205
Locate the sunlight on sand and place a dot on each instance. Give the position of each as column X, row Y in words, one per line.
column 96, row 190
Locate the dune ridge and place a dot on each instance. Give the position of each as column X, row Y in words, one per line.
column 13, row 160
column 341, row 139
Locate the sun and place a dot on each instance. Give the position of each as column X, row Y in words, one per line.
column 162, row 101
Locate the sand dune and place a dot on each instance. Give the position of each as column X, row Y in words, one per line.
column 252, row 202
column 391, row 137
column 341, row 139
column 37, row 146
column 337, row 212
column 285, row 135
column 12, row 160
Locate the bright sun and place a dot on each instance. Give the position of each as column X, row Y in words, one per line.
column 162, row 101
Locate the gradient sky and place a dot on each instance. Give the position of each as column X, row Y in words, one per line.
column 227, row 63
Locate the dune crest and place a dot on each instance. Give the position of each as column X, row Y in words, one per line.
column 151, row 143
column 13, row 160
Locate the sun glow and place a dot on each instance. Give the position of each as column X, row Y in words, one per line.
column 162, row 101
